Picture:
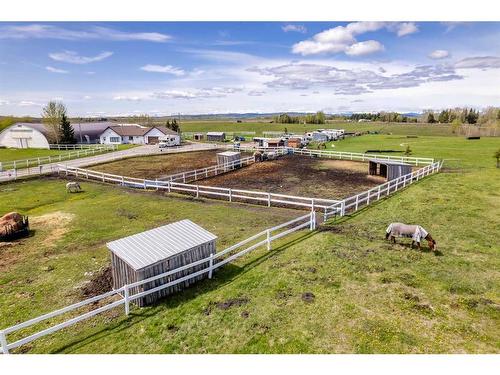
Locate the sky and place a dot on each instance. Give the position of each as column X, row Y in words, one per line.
column 120, row 68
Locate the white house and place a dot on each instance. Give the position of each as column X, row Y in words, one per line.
column 135, row 134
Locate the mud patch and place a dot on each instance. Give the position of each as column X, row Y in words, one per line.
column 226, row 305
column 308, row 297
column 56, row 223
column 99, row 284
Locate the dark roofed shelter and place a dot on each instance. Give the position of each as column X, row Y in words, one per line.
column 156, row 251
column 389, row 169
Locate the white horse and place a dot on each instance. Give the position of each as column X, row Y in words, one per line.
column 73, row 187
column 416, row 232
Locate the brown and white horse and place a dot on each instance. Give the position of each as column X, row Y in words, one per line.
column 416, row 232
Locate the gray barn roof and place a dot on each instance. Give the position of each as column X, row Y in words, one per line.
column 146, row 248
column 91, row 129
column 388, row 162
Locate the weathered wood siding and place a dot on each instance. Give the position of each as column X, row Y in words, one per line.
column 124, row 274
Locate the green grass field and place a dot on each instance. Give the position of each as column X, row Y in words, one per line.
column 369, row 296
column 259, row 127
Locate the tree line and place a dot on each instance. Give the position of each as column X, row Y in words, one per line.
column 313, row 118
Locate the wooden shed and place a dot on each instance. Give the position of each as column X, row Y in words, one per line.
column 390, row 169
column 228, row 157
column 295, row 142
column 198, row 136
column 216, row 136
column 156, row 251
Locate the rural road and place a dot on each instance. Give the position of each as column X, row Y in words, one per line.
column 103, row 158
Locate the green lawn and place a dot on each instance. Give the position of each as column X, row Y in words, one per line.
column 259, row 127
column 369, row 296
column 10, row 154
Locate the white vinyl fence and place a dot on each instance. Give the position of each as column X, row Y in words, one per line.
column 213, row 170
column 78, row 146
column 125, row 295
column 354, row 203
column 35, row 162
column 340, row 155
column 231, row 195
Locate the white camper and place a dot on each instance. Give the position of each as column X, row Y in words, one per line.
column 169, row 141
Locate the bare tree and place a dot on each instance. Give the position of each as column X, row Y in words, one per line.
column 52, row 115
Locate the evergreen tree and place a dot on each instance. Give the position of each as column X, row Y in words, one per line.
column 430, row 118
column 66, row 131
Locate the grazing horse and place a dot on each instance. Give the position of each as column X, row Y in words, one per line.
column 73, row 187
column 416, row 232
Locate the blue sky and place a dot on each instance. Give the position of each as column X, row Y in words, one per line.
column 104, row 69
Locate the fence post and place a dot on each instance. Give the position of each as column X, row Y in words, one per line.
column 144, row 184
column 156, row 183
column 210, row 265
column 268, row 235
column 268, row 199
column 230, row 195
column 184, row 177
column 3, row 341
column 127, row 303
column 357, row 202
column 197, row 191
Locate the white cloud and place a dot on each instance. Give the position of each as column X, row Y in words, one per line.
column 90, row 73
column 406, row 28
column 364, row 48
column 56, row 70
column 342, row 38
column 256, row 93
column 87, row 97
column 57, row 99
column 27, row 103
column 42, row 31
column 215, row 92
column 127, row 98
column 169, row 69
column 295, row 28
column 439, row 54
column 4, row 102
column 72, row 57
column 480, row 62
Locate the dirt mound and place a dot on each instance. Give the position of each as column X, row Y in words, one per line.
column 56, row 222
column 99, row 284
column 308, row 297
column 232, row 302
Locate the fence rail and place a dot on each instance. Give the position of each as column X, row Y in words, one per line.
column 354, row 203
column 231, row 195
column 126, row 293
column 211, row 171
column 340, row 155
column 78, row 146
column 35, row 162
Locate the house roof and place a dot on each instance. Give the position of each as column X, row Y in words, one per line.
column 129, row 130
column 147, row 248
column 164, row 130
column 90, row 129
column 216, row 133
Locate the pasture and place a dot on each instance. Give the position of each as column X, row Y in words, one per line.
column 340, row 289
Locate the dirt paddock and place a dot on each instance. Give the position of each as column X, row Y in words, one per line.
column 158, row 166
column 299, row 175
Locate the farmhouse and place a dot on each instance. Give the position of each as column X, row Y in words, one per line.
column 135, row 134
column 37, row 135
column 388, row 168
column 156, row 251
column 216, row 136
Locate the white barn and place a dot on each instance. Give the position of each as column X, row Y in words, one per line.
column 36, row 135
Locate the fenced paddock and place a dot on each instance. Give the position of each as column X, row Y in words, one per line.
column 128, row 293
column 228, row 194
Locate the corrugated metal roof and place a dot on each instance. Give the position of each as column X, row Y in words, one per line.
column 215, row 133
column 388, row 162
column 146, row 248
